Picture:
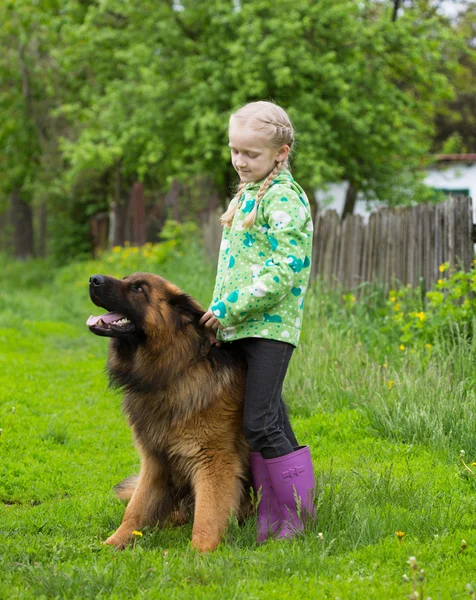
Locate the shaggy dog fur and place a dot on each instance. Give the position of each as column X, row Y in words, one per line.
column 184, row 401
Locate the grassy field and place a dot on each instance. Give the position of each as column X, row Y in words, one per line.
column 385, row 427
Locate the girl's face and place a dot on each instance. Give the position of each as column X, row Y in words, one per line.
column 251, row 156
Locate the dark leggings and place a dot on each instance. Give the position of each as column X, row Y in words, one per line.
column 266, row 424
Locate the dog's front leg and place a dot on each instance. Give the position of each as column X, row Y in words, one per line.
column 148, row 494
column 217, row 493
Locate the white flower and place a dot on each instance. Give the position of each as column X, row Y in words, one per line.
column 255, row 270
column 228, row 332
column 259, row 289
column 280, row 219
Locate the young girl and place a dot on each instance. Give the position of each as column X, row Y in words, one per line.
column 263, row 272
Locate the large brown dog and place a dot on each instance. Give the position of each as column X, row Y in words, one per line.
column 184, row 402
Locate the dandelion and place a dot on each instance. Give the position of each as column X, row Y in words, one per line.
column 138, row 533
column 396, row 308
column 390, row 386
column 421, row 316
column 444, row 267
column 399, row 535
column 428, row 346
column 392, row 299
column 402, row 347
column 384, row 365
column 440, row 281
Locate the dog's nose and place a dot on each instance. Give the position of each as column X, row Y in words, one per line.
column 96, row 280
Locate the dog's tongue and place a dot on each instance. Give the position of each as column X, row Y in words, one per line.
column 107, row 318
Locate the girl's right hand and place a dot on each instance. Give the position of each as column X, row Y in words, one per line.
column 211, row 322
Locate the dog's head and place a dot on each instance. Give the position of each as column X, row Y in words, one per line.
column 141, row 306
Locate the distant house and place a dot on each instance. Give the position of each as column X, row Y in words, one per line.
column 453, row 174
column 448, row 174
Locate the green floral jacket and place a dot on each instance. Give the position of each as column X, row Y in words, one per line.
column 263, row 272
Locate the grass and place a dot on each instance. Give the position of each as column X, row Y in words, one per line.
column 386, row 457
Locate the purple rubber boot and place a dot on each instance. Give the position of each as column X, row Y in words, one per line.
column 292, row 477
column 269, row 515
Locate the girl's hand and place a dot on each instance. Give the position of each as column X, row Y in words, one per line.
column 210, row 321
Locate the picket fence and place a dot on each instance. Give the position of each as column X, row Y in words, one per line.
column 403, row 245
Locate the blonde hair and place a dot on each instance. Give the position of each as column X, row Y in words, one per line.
column 272, row 121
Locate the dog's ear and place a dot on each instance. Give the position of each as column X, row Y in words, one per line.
column 187, row 308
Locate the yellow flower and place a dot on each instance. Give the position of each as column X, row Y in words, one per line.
column 440, row 281
column 402, row 347
column 116, row 249
column 392, row 299
column 400, row 535
column 139, row 533
column 444, row 267
column 396, row 307
column 421, row 316
column 384, row 365
column 428, row 346
column 390, row 384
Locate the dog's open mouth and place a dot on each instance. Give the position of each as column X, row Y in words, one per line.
column 112, row 322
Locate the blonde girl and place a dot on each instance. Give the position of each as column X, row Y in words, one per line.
column 263, row 272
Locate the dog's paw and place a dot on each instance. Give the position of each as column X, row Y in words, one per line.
column 118, row 542
column 204, row 544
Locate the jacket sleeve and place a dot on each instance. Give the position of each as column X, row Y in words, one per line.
column 288, row 223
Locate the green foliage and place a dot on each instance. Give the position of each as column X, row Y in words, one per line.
column 126, row 91
column 443, row 314
column 68, row 239
column 181, row 234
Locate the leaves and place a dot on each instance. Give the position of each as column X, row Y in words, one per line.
column 146, row 88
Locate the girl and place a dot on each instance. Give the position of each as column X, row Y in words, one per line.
column 263, row 272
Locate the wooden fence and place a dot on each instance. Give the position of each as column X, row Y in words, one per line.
column 396, row 245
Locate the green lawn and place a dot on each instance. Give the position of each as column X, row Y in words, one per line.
column 385, row 432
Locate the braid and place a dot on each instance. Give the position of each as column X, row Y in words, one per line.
column 227, row 216
column 251, row 218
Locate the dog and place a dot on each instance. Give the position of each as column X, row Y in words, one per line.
column 184, row 400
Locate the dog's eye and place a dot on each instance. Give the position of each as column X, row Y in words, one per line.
column 136, row 288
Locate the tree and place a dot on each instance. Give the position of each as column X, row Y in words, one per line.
column 142, row 91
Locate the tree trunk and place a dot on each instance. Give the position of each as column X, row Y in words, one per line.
column 396, row 6
column 139, row 213
column 350, row 199
column 22, row 224
column 118, row 211
column 42, row 230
